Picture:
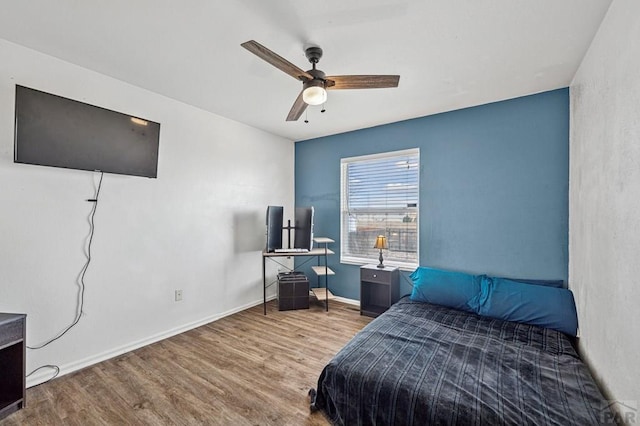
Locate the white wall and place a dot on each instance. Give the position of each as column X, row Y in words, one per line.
column 604, row 202
column 198, row 227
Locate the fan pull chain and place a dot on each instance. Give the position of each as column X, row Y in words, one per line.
column 323, row 109
column 306, row 113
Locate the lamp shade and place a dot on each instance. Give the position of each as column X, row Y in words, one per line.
column 381, row 242
column 314, row 92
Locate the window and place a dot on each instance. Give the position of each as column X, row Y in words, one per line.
column 380, row 197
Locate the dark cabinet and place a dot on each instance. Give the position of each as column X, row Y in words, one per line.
column 12, row 363
column 293, row 291
column 379, row 289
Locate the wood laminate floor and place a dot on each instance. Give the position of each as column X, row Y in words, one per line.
column 245, row 369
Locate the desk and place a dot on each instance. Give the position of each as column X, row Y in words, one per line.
column 320, row 270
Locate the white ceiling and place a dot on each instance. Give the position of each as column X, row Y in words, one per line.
column 450, row 54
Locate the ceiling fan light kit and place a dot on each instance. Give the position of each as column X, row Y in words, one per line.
column 314, row 82
column 314, row 92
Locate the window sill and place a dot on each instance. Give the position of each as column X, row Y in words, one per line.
column 408, row 267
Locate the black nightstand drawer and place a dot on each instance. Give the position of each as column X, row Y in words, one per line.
column 378, row 275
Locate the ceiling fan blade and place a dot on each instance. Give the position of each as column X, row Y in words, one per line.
column 297, row 109
column 362, row 81
column 276, row 60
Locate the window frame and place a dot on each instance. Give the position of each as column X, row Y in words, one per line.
column 362, row 260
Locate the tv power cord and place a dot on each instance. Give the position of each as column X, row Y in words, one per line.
column 81, row 284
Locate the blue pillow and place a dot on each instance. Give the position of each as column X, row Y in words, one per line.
column 453, row 289
column 548, row 283
column 539, row 305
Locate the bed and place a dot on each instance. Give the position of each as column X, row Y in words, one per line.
column 421, row 363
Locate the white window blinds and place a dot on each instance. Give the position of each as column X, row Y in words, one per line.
column 380, row 197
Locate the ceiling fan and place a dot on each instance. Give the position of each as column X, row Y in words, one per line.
column 314, row 82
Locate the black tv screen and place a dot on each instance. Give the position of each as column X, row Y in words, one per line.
column 54, row 131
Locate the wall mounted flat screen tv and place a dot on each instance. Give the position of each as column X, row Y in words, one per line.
column 54, row 131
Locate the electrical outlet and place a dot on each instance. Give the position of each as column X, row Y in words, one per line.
column 178, row 295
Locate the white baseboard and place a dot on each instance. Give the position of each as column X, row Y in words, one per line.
column 348, row 301
column 45, row 374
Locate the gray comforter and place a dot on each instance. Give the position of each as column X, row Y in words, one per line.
column 423, row 364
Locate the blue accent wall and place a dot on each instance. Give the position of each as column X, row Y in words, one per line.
column 494, row 182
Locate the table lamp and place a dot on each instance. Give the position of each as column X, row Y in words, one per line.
column 381, row 243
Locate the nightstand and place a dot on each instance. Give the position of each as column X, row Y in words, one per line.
column 379, row 289
column 12, row 363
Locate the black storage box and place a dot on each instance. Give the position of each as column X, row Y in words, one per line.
column 293, row 291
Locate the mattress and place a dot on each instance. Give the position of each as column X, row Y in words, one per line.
column 420, row 364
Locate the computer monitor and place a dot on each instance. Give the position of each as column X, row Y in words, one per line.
column 303, row 237
column 274, row 227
